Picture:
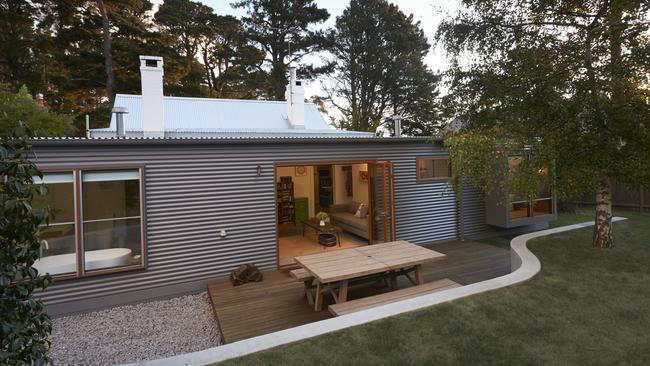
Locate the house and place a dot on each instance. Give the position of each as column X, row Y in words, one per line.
column 178, row 191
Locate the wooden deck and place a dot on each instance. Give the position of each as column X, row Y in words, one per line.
column 278, row 302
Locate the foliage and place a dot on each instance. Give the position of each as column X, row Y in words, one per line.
column 230, row 65
column 21, row 107
column 322, row 216
column 24, row 324
column 234, row 65
column 380, row 70
column 67, row 53
column 55, row 47
column 571, row 78
column 16, row 34
column 283, row 31
column 480, row 157
column 185, row 24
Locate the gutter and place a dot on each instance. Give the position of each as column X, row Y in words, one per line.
column 142, row 141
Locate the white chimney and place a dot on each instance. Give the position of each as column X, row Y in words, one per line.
column 295, row 95
column 151, row 75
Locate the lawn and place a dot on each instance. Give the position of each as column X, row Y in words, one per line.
column 563, row 219
column 586, row 307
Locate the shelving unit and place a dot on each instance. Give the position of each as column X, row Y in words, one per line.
column 285, row 201
column 325, row 188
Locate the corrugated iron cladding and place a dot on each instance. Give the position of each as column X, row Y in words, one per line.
column 193, row 191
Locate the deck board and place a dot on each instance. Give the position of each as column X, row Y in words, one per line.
column 278, row 302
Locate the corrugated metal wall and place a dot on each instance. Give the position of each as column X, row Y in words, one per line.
column 194, row 191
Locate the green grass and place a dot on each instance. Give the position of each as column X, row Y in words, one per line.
column 563, row 219
column 586, row 307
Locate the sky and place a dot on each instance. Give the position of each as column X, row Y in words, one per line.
column 428, row 12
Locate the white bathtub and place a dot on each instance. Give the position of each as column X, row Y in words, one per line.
column 95, row 259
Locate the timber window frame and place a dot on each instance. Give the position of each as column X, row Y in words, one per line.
column 79, row 221
column 419, row 169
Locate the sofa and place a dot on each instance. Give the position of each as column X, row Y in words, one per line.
column 343, row 215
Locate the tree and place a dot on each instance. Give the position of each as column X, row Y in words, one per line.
column 16, row 35
column 70, row 57
column 282, row 28
column 25, row 325
column 107, row 52
column 567, row 82
column 230, row 65
column 21, row 107
column 380, row 71
column 233, row 65
column 73, row 54
column 187, row 24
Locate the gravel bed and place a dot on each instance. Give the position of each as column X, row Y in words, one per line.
column 136, row 332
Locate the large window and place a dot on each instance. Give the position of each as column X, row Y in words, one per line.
column 105, row 232
column 58, row 240
column 433, row 169
column 520, row 207
column 111, row 218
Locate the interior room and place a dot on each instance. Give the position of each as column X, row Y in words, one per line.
column 321, row 207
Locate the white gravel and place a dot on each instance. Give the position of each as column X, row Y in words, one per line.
column 136, row 332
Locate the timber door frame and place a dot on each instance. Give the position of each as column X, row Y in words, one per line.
column 389, row 211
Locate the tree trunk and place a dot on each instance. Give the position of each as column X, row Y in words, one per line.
column 278, row 80
column 207, row 67
column 108, row 53
column 603, row 230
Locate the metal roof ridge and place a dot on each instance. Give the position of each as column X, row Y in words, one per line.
column 206, row 99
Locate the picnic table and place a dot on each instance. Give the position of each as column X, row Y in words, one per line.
column 334, row 270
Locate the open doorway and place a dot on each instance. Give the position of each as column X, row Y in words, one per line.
column 340, row 194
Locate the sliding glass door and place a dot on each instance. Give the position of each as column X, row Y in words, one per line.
column 382, row 217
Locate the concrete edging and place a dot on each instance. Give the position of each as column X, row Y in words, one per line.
column 524, row 263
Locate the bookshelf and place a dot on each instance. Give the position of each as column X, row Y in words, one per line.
column 285, row 201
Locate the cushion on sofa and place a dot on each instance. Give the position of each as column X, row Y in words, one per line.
column 353, row 206
column 347, row 218
column 362, row 211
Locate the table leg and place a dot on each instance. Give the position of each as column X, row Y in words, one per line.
column 310, row 297
column 419, row 276
column 338, row 237
column 343, row 291
column 319, row 297
column 393, row 280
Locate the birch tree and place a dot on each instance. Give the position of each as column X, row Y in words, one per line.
column 567, row 80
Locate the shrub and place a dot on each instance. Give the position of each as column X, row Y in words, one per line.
column 24, row 326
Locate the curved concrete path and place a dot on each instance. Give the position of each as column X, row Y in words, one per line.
column 524, row 266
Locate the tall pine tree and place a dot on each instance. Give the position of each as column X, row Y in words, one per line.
column 284, row 30
column 380, row 70
column 211, row 54
column 17, row 35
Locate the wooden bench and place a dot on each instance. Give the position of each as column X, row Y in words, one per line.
column 307, row 279
column 390, row 297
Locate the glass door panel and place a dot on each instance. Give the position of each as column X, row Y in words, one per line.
column 381, row 202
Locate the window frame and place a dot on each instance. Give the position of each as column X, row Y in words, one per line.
column 432, row 180
column 78, row 220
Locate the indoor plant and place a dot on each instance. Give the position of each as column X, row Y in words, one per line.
column 322, row 216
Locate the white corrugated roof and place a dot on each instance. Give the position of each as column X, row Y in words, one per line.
column 193, row 117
